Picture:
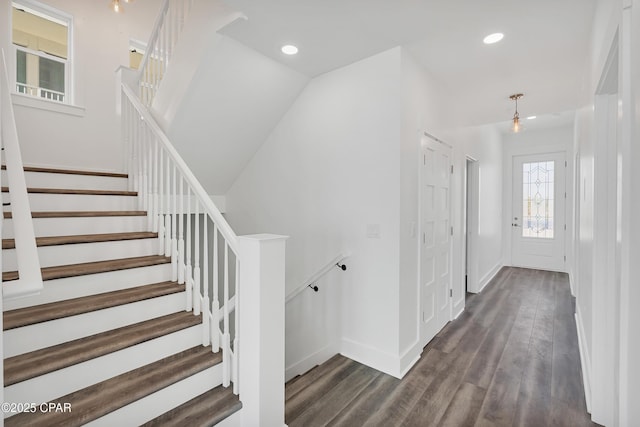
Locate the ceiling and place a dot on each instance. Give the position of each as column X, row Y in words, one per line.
column 543, row 55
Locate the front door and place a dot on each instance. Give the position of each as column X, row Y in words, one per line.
column 538, row 214
column 435, row 242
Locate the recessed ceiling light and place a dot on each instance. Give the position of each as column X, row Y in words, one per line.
column 493, row 38
column 531, row 117
column 289, row 49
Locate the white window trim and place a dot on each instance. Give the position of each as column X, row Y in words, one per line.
column 48, row 12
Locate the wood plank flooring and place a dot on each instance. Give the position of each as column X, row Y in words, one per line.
column 511, row 359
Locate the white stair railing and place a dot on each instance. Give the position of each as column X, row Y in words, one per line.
column 192, row 231
column 164, row 37
column 29, row 275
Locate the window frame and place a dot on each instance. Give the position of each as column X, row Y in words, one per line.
column 55, row 15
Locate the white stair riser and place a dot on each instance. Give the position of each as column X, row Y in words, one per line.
column 156, row 404
column 33, row 337
column 233, row 420
column 85, row 252
column 43, row 202
column 80, row 286
column 64, row 381
column 45, row 227
column 78, row 182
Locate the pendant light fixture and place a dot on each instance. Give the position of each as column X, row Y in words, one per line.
column 116, row 6
column 516, row 116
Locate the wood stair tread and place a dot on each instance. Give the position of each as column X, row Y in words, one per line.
column 84, row 238
column 39, row 362
column 205, row 410
column 72, row 270
column 79, row 214
column 107, row 396
column 33, row 190
column 72, row 307
column 72, row 172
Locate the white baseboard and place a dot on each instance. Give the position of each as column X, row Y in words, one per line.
column 316, row 358
column 572, row 286
column 372, row 357
column 585, row 359
column 484, row 281
column 459, row 313
column 410, row 357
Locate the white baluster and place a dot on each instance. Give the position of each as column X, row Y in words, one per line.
column 181, row 233
column 187, row 272
column 134, row 147
column 167, row 211
column 161, row 198
column 149, row 196
column 140, row 160
column 145, row 167
column 130, row 144
column 196, row 267
column 236, row 322
column 226, row 347
column 206, row 326
column 154, row 192
column 174, row 239
column 215, row 305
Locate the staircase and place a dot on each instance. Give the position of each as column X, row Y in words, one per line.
column 108, row 341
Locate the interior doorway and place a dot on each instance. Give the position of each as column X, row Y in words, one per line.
column 470, row 223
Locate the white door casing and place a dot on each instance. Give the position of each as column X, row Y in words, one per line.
column 435, row 241
column 538, row 223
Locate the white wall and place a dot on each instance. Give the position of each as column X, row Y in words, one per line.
column 219, row 99
column 236, row 97
column 585, row 206
column 100, row 45
column 630, row 292
column 608, row 234
column 330, row 168
column 424, row 107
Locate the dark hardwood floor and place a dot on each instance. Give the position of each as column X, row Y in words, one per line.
column 511, row 359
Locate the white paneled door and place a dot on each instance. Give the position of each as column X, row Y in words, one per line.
column 538, row 216
column 435, row 242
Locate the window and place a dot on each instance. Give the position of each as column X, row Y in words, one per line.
column 538, row 200
column 41, row 39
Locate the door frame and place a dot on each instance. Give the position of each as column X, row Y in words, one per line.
column 512, row 151
column 471, row 180
column 561, row 231
column 424, row 136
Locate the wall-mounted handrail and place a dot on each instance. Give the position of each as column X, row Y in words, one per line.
column 318, row 275
column 30, row 276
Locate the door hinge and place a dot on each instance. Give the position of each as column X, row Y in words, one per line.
column 565, row 163
column 565, row 227
column 565, row 258
column 451, row 168
column 565, row 194
column 452, row 231
column 450, row 293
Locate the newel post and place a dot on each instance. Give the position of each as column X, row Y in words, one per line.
column 261, row 329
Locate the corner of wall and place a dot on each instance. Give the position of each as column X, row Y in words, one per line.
column 585, row 359
column 395, row 365
column 314, row 359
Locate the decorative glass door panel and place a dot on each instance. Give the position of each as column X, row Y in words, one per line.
column 537, row 199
